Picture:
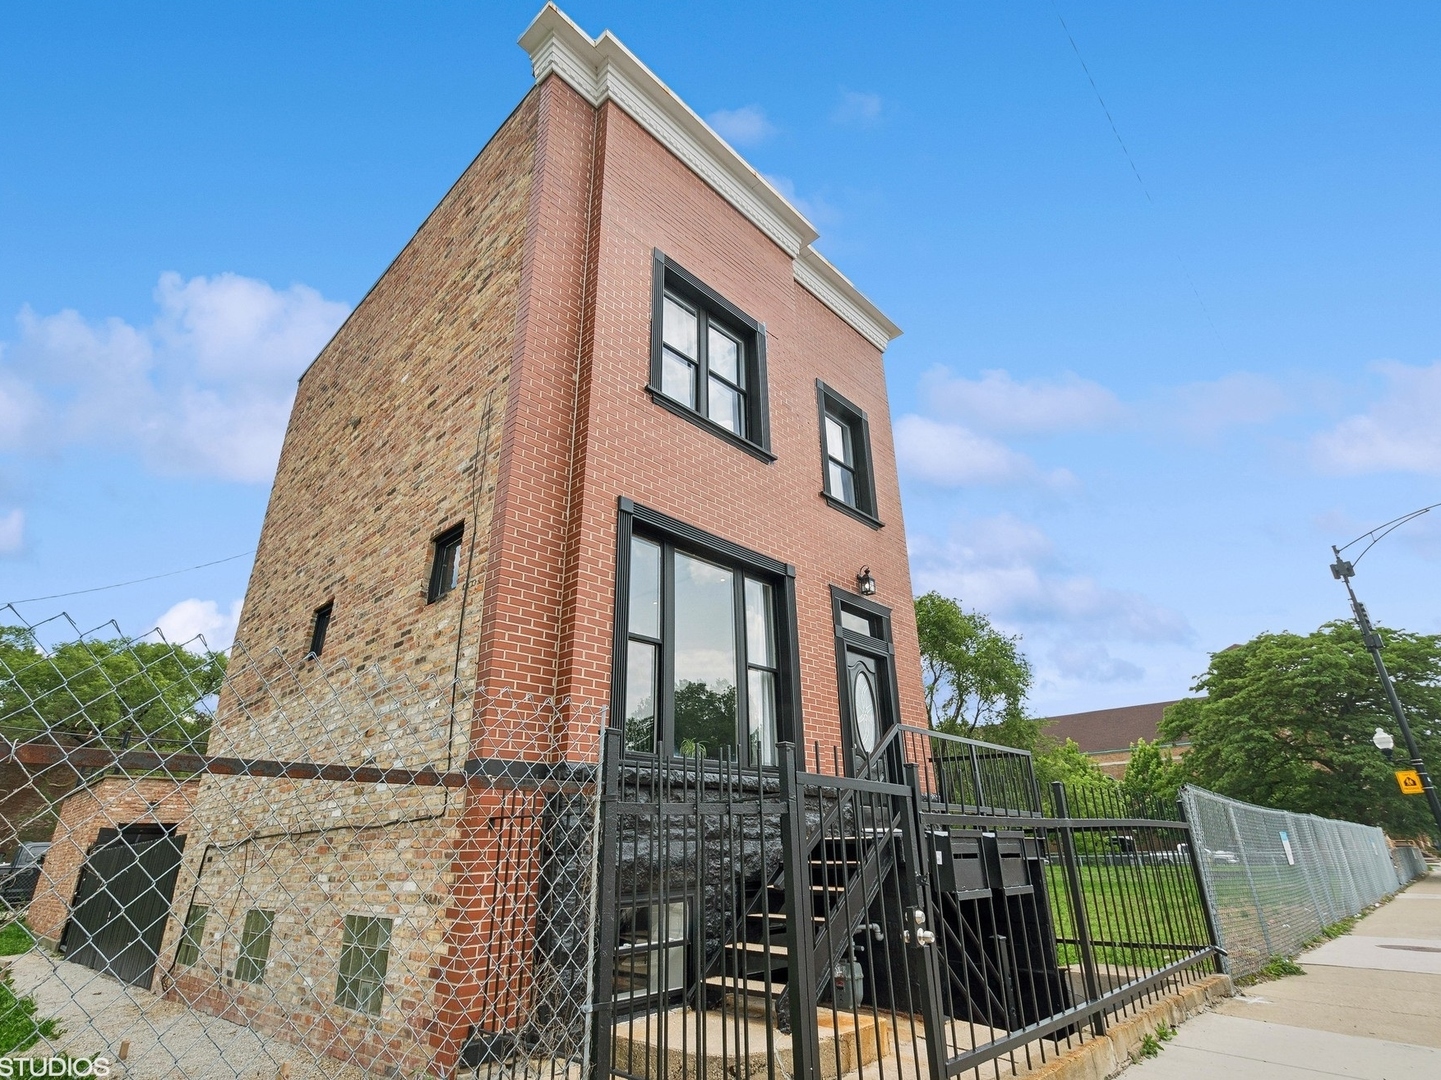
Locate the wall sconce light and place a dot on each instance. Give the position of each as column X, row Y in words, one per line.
column 865, row 583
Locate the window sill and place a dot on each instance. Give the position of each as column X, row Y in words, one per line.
column 685, row 413
column 846, row 508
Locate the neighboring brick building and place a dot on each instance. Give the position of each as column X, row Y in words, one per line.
column 1107, row 735
column 110, row 803
column 608, row 435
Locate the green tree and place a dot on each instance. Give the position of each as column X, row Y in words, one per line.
column 112, row 690
column 705, row 719
column 1153, row 775
column 1287, row 722
column 1068, row 763
column 976, row 678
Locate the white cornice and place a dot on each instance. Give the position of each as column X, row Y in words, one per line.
column 602, row 69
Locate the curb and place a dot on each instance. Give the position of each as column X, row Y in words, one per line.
column 1105, row 1057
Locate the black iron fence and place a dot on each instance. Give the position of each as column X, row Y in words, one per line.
column 762, row 922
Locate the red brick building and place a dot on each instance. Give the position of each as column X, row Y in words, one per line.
column 1107, row 735
column 609, row 438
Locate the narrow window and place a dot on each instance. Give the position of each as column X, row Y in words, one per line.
column 708, row 360
column 254, row 945
column 364, row 956
column 445, row 564
column 848, row 482
column 319, row 625
column 192, row 938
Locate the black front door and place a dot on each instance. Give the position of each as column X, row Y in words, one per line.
column 866, row 699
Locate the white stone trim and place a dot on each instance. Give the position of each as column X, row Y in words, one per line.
column 602, row 69
column 817, row 276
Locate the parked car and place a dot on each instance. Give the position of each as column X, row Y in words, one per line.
column 18, row 880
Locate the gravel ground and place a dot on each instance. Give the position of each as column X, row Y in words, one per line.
column 97, row 1013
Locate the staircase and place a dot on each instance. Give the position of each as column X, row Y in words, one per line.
column 754, row 973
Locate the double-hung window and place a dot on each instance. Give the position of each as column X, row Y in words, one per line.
column 708, row 360
column 849, row 482
column 707, row 635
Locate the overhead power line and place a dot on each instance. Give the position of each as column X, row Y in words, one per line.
column 136, row 581
column 1135, row 171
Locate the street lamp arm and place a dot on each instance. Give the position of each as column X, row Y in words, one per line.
column 1343, row 570
column 1380, row 532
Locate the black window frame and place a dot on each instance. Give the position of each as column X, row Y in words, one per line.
column 320, row 620
column 450, row 541
column 675, row 978
column 633, row 520
column 669, row 277
column 852, row 417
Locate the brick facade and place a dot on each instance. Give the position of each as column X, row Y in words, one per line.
column 495, row 376
column 104, row 804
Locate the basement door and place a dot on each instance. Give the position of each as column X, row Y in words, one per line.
column 122, row 902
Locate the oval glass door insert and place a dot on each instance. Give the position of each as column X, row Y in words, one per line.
column 863, row 698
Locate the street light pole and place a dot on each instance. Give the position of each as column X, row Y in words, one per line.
column 1343, row 571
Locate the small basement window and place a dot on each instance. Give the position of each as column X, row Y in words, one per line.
column 445, row 563
column 192, row 938
column 650, row 957
column 319, row 626
column 254, row 945
column 364, row 956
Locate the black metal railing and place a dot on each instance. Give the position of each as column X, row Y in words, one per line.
column 928, row 918
column 1053, row 927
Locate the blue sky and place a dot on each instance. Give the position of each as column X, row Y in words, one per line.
column 1132, row 414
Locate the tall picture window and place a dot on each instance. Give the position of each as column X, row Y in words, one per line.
column 848, row 480
column 707, row 631
column 708, row 360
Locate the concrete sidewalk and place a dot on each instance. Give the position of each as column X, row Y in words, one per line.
column 1369, row 1006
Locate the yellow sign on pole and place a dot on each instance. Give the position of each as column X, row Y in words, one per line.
column 1410, row 781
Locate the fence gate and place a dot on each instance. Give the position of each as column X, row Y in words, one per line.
column 121, row 903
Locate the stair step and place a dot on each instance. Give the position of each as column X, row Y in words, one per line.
column 749, row 986
column 757, row 947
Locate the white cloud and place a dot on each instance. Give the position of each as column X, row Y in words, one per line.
column 814, row 209
column 949, row 455
column 746, row 126
column 1204, row 409
column 998, row 403
column 1092, row 662
column 1010, row 570
column 205, row 389
column 858, row 109
column 12, row 531
column 1400, row 432
column 195, row 619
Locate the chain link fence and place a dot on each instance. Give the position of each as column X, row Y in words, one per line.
column 286, row 868
column 1275, row 880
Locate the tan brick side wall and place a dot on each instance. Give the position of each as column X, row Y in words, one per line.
column 637, row 449
column 395, row 435
column 109, row 804
column 393, row 438
column 311, row 883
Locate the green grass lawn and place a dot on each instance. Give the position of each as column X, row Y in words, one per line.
column 1143, row 911
column 15, row 939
